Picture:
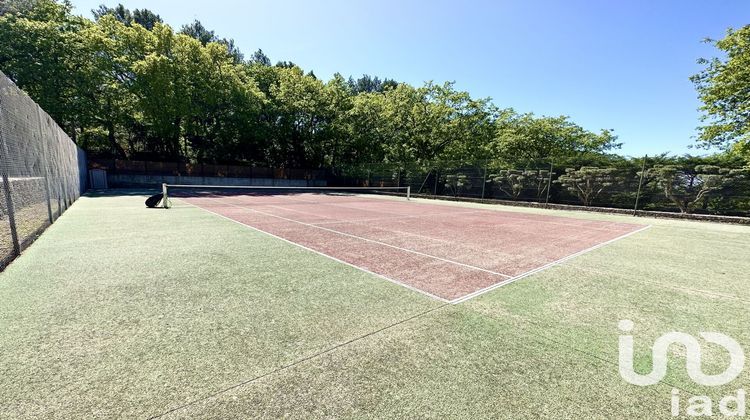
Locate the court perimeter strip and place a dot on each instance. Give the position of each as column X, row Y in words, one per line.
column 472, row 295
column 299, row 361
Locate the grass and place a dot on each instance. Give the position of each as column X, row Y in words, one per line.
column 120, row 311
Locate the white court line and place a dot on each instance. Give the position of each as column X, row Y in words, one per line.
column 454, row 301
column 334, row 221
column 519, row 215
column 542, row 268
column 400, row 232
column 320, row 253
column 343, row 204
column 372, row 241
column 415, row 216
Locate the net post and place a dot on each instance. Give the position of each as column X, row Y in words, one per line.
column 640, row 185
column 408, row 192
column 164, row 196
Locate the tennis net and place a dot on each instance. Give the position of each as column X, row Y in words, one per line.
column 274, row 195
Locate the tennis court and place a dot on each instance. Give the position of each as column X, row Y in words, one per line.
column 122, row 311
column 449, row 253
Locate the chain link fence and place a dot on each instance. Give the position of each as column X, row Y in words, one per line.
column 645, row 184
column 42, row 172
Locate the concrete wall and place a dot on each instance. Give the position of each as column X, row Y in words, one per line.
column 124, row 180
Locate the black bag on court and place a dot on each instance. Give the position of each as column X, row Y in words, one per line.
column 154, row 200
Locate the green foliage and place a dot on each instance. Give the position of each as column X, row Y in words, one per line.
column 370, row 84
column 127, row 85
column 513, row 182
column 146, row 18
column 260, row 58
column 143, row 17
column 44, row 52
column 16, row 6
column 587, row 183
column 205, row 36
column 688, row 187
column 197, row 31
column 455, row 183
column 528, row 137
column 724, row 87
column 423, row 124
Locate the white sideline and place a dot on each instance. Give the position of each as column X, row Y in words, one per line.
column 374, row 219
column 373, row 241
column 378, row 219
column 542, row 268
column 507, row 281
column 321, row 253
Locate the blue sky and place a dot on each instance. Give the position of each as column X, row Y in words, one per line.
column 613, row 64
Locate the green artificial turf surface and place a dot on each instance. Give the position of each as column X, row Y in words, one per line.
column 121, row 311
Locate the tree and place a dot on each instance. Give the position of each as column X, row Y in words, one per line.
column 336, row 143
column 143, row 17
column 366, row 128
column 433, row 122
column 285, row 64
column 260, row 58
column 125, row 84
column 196, row 30
column 17, row 6
column 300, row 117
column 530, row 138
column 689, row 187
column 457, row 183
column 724, row 88
column 113, row 75
column 587, row 183
column 44, row 53
column 370, row 84
column 232, row 49
column 119, row 12
column 146, row 18
column 513, row 182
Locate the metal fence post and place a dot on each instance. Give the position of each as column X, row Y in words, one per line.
column 484, row 178
column 45, row 158
column 4, row 165
column 549, row 182
column 437, row 177
column 11, row 214
column 424, row 182
column 640, row 185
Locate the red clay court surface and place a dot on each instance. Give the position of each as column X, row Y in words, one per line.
column 448, row 252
